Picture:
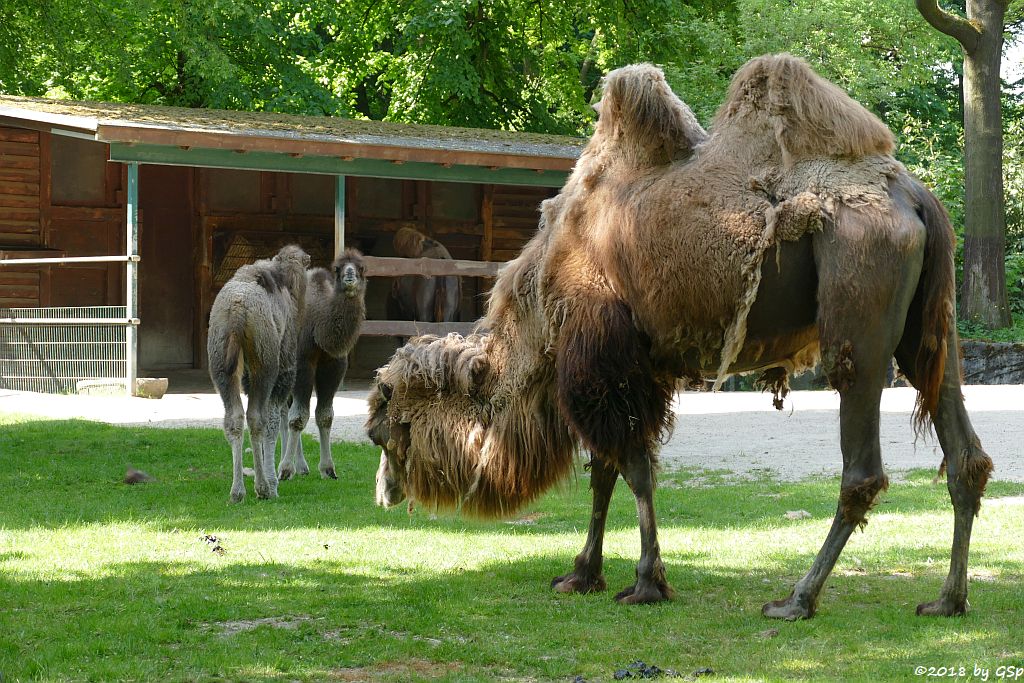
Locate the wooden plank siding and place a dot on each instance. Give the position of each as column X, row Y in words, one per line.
column 19, row 189
column 19, row 287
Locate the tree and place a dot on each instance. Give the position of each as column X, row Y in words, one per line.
column 983, row 296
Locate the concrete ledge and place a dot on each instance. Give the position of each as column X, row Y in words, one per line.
column 145, row 387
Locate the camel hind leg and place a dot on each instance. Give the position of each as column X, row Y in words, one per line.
column 329, row 375
column 228, row 383
column 258, row 418
column 867, row 274
column 966, row 465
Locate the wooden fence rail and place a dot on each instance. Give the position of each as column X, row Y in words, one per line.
column 379, row 266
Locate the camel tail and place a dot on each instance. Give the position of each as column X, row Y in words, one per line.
column 937, row 294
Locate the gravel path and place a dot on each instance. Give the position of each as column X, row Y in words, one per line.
column 734, row 432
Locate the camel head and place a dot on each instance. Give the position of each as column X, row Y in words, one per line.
column 390, row 489
column 349, row 274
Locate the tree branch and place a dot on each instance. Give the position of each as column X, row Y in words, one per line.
column 952, row 25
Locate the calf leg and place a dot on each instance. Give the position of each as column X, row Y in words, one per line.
column 257, row 417
column 234, row 431
column 293, row 461
column 329, row 375
column 586, row 576
column 967, row 468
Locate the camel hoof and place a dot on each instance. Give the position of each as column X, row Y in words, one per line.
column 285, row 473
column 303, row 470
column 328, row 473
column 789, row 609
column 644, row 594
column 237, row 496
column 575, row 583
column 943, row 607
column 267, row 493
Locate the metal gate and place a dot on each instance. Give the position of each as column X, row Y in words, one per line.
column 51, row 350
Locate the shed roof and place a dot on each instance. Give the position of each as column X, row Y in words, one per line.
column 160, row 134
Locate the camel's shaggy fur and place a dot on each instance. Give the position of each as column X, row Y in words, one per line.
column 335, row 311
column 787, row 233
column 252, row 345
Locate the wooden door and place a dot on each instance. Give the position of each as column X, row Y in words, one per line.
column 166, row 272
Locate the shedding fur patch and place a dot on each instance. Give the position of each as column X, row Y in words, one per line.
column 839, row 368
column 775, row 380
column 974, row 468
column 856, row 501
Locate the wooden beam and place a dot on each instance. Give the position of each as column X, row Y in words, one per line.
column 411, row 328
column 560, row 157
column 379, row 266
column 487, row 215
column 373, row 168
column 339, row 215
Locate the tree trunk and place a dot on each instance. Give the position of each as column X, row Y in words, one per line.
column 983, row 296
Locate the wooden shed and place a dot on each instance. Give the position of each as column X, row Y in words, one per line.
column 153, row 208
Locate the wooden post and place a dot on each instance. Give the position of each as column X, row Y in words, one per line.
column 339, row 215
column 487, row 215
column 132, row 279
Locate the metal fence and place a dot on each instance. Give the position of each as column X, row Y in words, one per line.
column 51, row 349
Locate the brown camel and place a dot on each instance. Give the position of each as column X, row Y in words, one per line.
column 419, row 297
column 786, row 236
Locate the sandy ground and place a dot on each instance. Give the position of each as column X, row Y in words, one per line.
column 734, row 432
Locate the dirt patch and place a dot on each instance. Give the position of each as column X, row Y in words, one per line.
column 234, row 627
column 395, row 671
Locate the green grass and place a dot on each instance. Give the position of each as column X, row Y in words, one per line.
column 104, row 581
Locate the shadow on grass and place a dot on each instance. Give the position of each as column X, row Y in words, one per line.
column 273, row 621
column 70, row 472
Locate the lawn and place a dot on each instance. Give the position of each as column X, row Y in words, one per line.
column 100, row 580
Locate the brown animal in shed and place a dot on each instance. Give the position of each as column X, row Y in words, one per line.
column 424, row 298
column 788, row 234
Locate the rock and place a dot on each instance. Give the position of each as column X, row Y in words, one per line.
column 134, row 476
column 150, row 387
column 992, row 362
column 798, row 514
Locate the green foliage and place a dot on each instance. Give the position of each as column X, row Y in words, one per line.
column 532, row 65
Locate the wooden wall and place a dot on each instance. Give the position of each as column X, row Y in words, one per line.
column 20, row 224
column 59, row 197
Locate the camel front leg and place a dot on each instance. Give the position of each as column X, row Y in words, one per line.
column 293, row 461
column 651, row 584
column 329, row 375
column 586, row 576
column 272, row 429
